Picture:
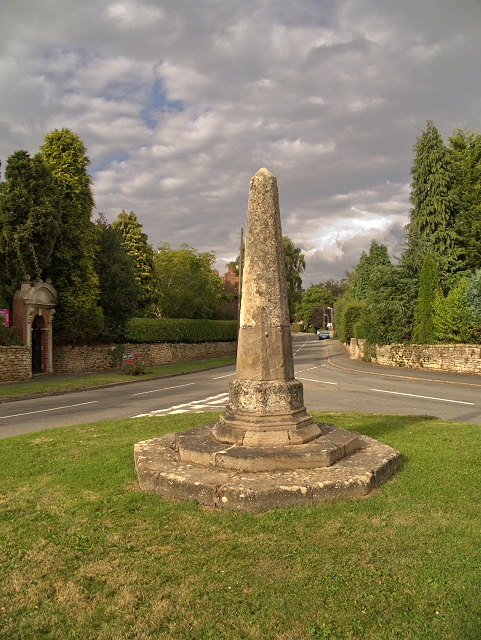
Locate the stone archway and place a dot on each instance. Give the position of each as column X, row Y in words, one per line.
column 33, row 311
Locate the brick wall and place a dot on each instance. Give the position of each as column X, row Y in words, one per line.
column 459, row 358
column 83, row 359
column 15, row 363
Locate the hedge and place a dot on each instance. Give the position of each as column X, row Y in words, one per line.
column 180, row 330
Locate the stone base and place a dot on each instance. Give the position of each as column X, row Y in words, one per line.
column 193, row 466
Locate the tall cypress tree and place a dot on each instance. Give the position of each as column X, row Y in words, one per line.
column 423, row 331
column 135, row 243
column 465, row 153
column 29, row 221
column 73, row 268
column 432, row 196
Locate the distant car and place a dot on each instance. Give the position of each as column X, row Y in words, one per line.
column 324, row 335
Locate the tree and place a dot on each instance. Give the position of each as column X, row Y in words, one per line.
column 378, row 256
column 473, row 296
column 119, row 290
column 186, row 286
column 423, row 331
column 29, row 221
column 432, row 195
column 465, row 154
column 453, row 322
column 72, row 269
column 136, row 244
column 295, row 265
column 315, row 297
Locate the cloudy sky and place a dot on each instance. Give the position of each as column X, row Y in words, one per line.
column 180, row 102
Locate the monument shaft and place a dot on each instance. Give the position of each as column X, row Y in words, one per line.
column 266, row 405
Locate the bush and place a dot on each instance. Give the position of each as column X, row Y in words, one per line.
column 351, row 314
column 134, row 366
column 180, row 330
column 7, row 339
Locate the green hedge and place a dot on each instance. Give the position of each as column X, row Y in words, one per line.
column 180, row 330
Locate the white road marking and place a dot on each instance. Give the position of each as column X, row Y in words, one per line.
column 302, row 345
column 226, row 376
column 319, row 381
column 310, row 369
column 212, row 402
column 29, row 413
column 412, row 395
column 164, row 389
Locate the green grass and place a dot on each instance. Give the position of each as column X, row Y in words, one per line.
column 84, row 554
column 98, row 379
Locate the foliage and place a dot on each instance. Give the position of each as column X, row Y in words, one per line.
column 378, row 256
column 465, row 153
column 119, row 290
column 313, row 298
column 453, row 322
column 351, row 314
column 7, row 339
column 336, row 287
column 83, row 550
column 135, row 243
column 73, row 266
column 181, row 330
column 432, row 196
column 473, row 296
column 295, row 265
column 29, row 221
column 134, row 366
column 185, row 285
column 423, row 331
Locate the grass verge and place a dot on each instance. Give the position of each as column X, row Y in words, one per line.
column 41, row 386
column 84, row 554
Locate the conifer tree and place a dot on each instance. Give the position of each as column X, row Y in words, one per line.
column 29, row 221
column 73, row 267
column 135, row 243
column 453, row 322
column 423, row 331
column 378, row 256
column 432, row 196
column 465, row 153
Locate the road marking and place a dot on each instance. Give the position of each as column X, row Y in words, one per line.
column 310, row 369
column 164, row 389
column 29, row 413
column 302, row 345
column 412, row 395
column 319, row 381
column 212, row 402
column 226, row 376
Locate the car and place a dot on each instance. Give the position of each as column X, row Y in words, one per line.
column 324, row 335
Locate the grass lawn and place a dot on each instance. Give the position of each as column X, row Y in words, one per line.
column 40, row 385
column 84, row 554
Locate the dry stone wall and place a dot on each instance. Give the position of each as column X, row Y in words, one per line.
column 459, row 358
column 15, row 363
column 89, row 358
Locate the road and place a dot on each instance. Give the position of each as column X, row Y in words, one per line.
column 331, row 382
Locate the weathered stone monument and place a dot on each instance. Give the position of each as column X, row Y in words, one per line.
column 265, row 451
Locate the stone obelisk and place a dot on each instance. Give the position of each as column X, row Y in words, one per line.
column 266, row 405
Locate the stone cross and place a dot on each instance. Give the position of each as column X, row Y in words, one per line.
column 266, row 405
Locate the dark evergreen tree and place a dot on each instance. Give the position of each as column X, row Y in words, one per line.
column 73, row 264
column 423, row 331
column 29, row 221
column 432, row 195
column 119, row 290
column 136, row 244
column 378, row 256
column 465, row 153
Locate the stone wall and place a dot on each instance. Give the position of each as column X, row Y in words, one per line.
column 83, row 359
column 15, row 363
column 459, row 358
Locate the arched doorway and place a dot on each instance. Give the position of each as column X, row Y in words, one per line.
column 37, row 343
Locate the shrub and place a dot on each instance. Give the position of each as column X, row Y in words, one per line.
column 7, row 338
column 351, row 314
column 155, row 330
column 134, row 366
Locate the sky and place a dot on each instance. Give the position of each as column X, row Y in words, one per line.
column 180, row 102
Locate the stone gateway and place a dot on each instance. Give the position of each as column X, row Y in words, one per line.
column 265, row 451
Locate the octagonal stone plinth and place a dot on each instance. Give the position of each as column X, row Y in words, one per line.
column 189, row 466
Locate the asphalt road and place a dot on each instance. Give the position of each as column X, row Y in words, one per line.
column 331, row 381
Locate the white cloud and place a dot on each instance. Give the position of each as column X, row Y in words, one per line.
column 179, row 103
